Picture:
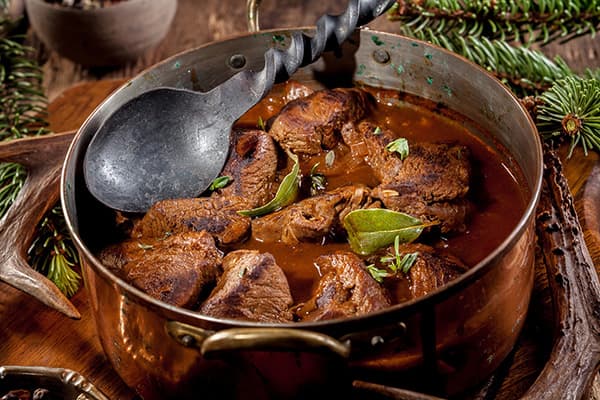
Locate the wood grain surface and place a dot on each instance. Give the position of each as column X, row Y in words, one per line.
column 33, row 334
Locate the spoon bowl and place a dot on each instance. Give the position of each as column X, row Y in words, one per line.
column 172, row 143
column 147, row 152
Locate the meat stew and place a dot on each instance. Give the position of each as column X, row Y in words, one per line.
column 357, row 149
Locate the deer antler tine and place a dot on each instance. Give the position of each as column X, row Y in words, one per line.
column 43, row 158
column 18, row 274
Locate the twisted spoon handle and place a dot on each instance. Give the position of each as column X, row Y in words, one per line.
column 331, row 32
column 280, row 65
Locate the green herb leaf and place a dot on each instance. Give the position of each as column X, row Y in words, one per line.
column 377, row 131
column 220, row 182
column 318, row 181
column 376, row 273
column 408, row 260
column 371, row 229
column 286, row 194
column 399, row 262
column 261, row 124
column 399, row 146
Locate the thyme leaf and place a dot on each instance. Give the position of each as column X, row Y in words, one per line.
column 399, row 146
column 220, row 182
column 261, row 124
column 377, row 273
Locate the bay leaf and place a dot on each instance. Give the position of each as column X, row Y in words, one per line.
column 373, row 228
column 286, row 193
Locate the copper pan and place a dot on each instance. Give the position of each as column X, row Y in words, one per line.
column 454, row 337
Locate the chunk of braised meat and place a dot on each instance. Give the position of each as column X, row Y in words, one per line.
column 313, row 218
column 345, row 289
column 215, row 215
column 313, row 123
column 252, row 164
column 452, row 215
column 253, row 287
column 180, row 269
column 431, row 269
column 431, row 183
column 116, row 256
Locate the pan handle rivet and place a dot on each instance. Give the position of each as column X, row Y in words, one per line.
column 237, row 61
column 188, row 340
column 381, row 56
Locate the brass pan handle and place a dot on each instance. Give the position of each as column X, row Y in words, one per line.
column 211, row 343
column 252, row 15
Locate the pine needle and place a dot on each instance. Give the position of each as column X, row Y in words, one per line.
column 23, row 113
column 524, row 21
column 571, row 109
column 52, row 252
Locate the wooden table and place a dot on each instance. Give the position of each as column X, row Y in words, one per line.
column 32, row 334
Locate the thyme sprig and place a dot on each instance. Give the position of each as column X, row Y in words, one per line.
column 394, row 263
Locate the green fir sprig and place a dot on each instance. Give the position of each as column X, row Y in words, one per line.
column 571, row 109
column 12, row 178
column 525, row 21
column 53, row 253
column 495, row 34
column 525, row 70
column 23, row 112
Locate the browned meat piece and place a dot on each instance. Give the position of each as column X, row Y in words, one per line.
column 367, row 141
column 253, row 287
column 180, row 269
column 431, row 183
column 313, row 218
column 345, row 289
column 452, row 215
column 310, row 124
column 216, row 215
column 431, row 270
column 252, row 164
column 118, row 255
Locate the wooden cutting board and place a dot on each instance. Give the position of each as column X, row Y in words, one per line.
column 32, row 334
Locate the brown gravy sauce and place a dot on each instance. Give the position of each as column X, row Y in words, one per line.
column 497, row 192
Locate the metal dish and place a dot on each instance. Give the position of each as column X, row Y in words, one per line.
column 61, row 383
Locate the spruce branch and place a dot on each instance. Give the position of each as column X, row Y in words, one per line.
column 525, row 21
column 12, row 177
column 22, row 100
column 53, row 253
column 525, row 70
column 23, row 112
column 571, row 109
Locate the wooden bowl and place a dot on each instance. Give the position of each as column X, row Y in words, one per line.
column 107, row 36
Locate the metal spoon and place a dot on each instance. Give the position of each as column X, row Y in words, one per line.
column 172, row 143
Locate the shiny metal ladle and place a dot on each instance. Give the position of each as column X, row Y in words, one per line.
column 172, row 143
